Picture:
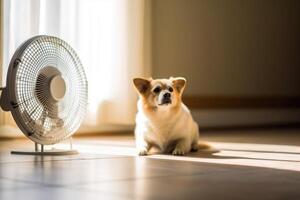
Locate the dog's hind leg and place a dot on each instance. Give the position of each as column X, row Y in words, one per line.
column 195, row 145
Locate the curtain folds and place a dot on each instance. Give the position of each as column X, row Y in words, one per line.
column 109, row 37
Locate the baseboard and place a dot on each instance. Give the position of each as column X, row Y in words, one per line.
column 7, row 131
column 241, row 102
column 105, row 129
column 213, row 118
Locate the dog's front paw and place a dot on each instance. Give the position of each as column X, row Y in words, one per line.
column 178, row 152
column 143, row 152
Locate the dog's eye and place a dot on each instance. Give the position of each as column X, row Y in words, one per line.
column 170, row 89
column 157, row 90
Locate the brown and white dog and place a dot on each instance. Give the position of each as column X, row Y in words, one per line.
column 163, row 121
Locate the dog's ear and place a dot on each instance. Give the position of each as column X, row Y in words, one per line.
column 142, row 85
column 179, row 83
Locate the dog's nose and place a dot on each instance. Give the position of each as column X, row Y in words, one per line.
column 167, row 95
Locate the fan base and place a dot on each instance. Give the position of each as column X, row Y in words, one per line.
column 51, row 152
column 40, row 150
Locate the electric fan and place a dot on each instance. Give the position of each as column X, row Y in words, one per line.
column 46, row 92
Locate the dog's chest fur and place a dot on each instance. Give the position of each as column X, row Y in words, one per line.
column 162, row 128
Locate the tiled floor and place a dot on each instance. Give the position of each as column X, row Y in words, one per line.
column 260, row 164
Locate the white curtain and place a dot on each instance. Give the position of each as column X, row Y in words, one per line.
column 108, row 36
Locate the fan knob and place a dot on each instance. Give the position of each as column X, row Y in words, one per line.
column 57, row 87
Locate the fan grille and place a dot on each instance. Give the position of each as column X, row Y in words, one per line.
column 41, row 119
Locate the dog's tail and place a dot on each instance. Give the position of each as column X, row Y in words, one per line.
column 204, row 146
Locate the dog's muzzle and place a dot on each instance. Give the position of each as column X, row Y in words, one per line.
column 166, row 99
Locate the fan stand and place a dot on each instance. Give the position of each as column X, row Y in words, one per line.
column 51, row 152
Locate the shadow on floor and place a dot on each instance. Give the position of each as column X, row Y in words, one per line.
column 214, row 155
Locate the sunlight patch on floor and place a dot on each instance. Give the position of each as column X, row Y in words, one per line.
column 285, row 157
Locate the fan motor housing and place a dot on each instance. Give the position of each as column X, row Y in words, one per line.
column 50, row 85
column 57, row 87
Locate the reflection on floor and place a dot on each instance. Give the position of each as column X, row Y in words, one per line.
column 253, row 164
